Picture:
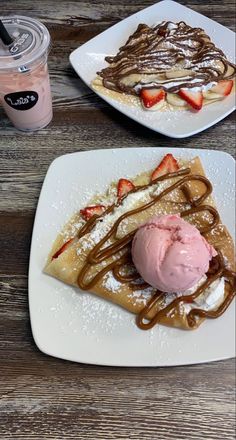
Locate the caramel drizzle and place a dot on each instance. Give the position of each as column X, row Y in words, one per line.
column 195, row 313
column 121, row 249
column 142, row 54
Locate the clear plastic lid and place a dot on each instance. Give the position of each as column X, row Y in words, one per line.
column 31, row 43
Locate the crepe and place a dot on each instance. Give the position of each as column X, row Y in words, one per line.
column 134, row 296
column 169, row 56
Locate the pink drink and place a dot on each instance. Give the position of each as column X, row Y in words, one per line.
column 24, row 81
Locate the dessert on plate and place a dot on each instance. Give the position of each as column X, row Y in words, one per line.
column 171, row 65
column 154, row 245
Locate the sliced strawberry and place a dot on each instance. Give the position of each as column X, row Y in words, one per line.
column 90, row 211
column 195, row 99
column 168, row 165
column 124, row 186
column 62, row 249
column 151, row 97
column 223, row 87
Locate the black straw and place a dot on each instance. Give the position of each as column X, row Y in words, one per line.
column 4, row 35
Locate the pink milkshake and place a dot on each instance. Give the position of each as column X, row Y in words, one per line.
column 24, row 81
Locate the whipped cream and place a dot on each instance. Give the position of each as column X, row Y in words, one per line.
column 171, row 26
column 210, row 299
column 169, row 85
column 105, row 223
column 203, row 88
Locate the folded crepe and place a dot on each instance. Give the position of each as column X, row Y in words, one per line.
column 168, row 57
column 95, row 255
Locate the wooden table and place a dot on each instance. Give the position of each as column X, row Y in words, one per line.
column 46, row 398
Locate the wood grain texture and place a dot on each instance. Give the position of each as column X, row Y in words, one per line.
column 46, row 398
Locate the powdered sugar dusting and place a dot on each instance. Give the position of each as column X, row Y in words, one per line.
column 81, row 312
column 141, row 296
column 111, row 284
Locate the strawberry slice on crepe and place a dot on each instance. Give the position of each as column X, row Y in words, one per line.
column 90, row 211
column 168, row 165
column 194, row 99
column 150, row 97
column 62, row 249
column 124, row 187
column 223, row 87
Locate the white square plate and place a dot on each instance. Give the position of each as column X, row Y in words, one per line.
column 88, row 59
column 81, row 327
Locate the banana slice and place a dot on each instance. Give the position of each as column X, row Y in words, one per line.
column 211, row 95
column 209, row 102
column 97, row 81
column 230, row 71
column 136, row 78
column 171, row 74
column 175, row 100
column 155, row 107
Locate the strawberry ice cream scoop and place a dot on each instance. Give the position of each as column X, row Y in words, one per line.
column 171, row 254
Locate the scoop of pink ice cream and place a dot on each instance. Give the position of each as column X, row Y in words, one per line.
column 171, row 254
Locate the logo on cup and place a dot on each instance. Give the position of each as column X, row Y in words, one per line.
column 22, row 100
column 22, row 42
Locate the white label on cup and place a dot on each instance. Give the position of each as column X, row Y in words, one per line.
column 22, row 100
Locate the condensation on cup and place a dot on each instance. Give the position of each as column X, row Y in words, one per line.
column 25, row 92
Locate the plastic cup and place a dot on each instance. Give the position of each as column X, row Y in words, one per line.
column 24, row 80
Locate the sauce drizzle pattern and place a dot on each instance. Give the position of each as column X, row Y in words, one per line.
column 151, row 52
column 121, row 247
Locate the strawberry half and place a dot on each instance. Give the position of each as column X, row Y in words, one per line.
column 195, row 99
column 62, row 249
column 223, row 87
column 168, row 165
column 90, row 211
column 124, row 187
column 150, row 97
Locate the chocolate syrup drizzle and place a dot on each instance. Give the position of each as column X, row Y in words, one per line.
column 157, row 50
column 121, row 249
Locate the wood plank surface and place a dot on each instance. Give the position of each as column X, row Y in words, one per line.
column 46, row 398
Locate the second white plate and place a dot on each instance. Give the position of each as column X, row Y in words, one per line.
column 88, row 59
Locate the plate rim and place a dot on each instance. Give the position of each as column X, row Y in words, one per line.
column 35, row 333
